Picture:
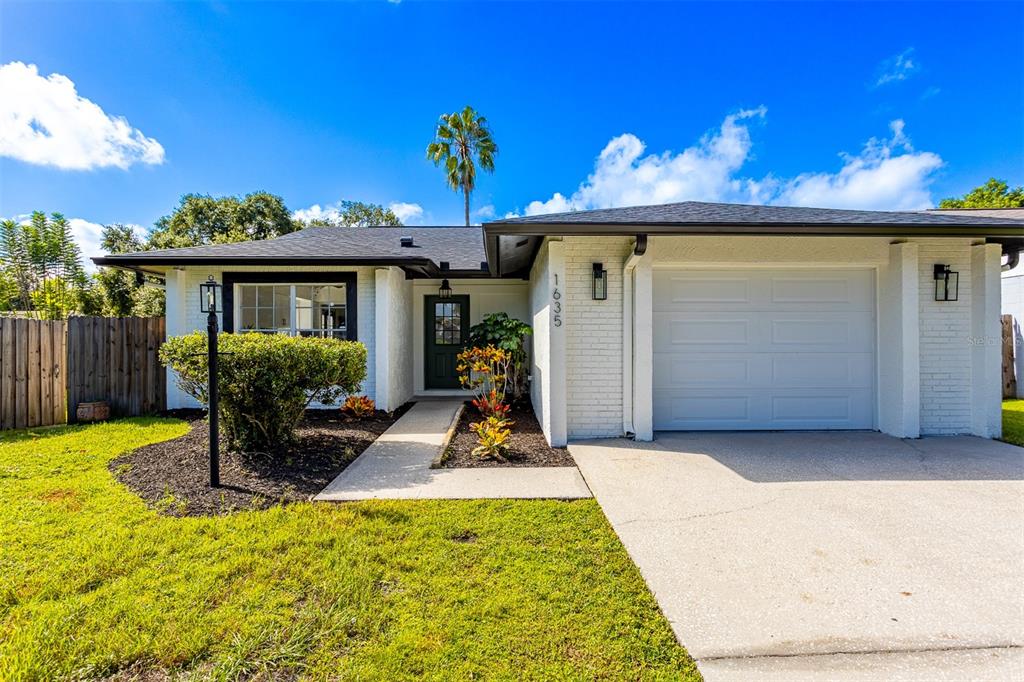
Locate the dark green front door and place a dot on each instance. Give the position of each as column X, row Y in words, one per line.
column 445, row 336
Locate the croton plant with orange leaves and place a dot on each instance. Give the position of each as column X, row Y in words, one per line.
column 485, row 372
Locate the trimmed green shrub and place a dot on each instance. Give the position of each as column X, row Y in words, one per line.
column 266, row 381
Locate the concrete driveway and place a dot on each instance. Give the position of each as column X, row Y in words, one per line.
column 826, row 555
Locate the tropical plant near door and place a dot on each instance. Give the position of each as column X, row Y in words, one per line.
column 508, row 334
column 492, row 435
column 485, row 372
column 461, row 142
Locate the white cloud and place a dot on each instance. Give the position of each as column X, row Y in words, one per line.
column 406, row 212
column 897, row 68
column 485, row 211
column 887, row 174
column 88, row 235
column 622, row 177
column 44, row 121
column 316, row 212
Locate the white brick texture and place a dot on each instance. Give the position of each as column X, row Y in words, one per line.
column 593, row 349
column 945, row 334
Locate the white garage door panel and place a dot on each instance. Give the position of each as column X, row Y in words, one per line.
column 764, row 349
column 763, row 370
column 757, row 331
column 754, row 409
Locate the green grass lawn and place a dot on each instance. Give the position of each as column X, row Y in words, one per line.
column 1013, row 422
column 93, row 583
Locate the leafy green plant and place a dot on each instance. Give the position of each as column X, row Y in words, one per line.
column 359, row 406
column 508, row 334
column 42, row 267
column 266, row 381
column 493, row 435
column 485, row 372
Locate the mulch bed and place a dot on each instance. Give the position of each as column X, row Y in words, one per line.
column 528, row 448
column 174, row 476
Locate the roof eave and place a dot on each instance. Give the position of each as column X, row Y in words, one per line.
column 496, row 229
column 426, row 266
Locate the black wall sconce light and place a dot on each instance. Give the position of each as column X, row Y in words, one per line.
column 600, row 282
column 947, row 283
column 446, row 289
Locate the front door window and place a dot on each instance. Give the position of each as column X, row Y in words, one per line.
column 448, row 323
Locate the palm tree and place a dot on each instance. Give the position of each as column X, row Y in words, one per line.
column 459, row 138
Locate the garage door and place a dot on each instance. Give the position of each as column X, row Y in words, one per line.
column 764, row 349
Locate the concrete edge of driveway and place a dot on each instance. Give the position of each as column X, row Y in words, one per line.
column 992, row 664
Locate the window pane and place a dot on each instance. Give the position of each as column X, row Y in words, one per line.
column 265, row 296
column 248, row 296
column 330, row 294
column 265, row 318
column 282, row 299
column 283, row 318
column 303, row 318
column 248, row 317
column 303, row 295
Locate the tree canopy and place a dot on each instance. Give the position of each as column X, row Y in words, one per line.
column 358, row 214
column 993, row 194
column 42, row 267
column 201, row 219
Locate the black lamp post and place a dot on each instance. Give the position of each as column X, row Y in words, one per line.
column 208, row 291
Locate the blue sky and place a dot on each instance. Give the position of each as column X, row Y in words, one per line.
column 591, row 104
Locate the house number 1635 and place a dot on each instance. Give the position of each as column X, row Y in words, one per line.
column 556, row 304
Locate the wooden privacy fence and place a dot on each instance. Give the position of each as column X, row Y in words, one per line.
column 115, row 359
column 48, row 368
column 32, row 360
column 1009, row 361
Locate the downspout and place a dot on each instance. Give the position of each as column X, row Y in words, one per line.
column 1012, row 258
column 639, row 248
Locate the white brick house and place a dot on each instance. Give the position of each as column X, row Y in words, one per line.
column 703, row 316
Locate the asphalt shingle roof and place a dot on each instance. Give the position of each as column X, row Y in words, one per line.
column 704, row 213
column 461, row 247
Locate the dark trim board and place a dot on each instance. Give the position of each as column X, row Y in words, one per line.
column 230, row 279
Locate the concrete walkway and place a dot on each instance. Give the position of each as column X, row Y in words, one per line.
column 397, row 466
column 839, row 556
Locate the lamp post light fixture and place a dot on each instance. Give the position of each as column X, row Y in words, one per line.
column 446, row 289
column 947, row 283
column 600, row 282
column 208, row 295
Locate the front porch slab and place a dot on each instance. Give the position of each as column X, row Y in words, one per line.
column 397, row 466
